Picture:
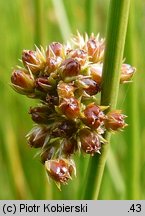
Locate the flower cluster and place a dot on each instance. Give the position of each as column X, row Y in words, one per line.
column 66, row 80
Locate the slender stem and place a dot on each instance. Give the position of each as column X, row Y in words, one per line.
column 133, row 131
column 118, row 19
column 89, row 15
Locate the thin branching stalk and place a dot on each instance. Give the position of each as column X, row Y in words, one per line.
column 118, row 19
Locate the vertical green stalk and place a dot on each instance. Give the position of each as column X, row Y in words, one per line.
column 38, row 19
column 132, row 132
column 89, row 5
column 116, row 33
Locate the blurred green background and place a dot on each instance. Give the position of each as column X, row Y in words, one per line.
column 24, row 23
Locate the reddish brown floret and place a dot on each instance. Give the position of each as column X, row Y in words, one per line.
column 70, row 67
column 90, row 142
column 115, row 120
column 94, row 117
column 60, row 170
column 70, row 107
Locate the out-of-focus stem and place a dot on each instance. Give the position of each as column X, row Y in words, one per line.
column 132, row 132
column 39, row 22
column 89, row 15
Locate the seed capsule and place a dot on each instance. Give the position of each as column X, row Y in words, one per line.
column 22, row 82
column 91, row 45
column 127, row 72
column 70, row 107
column 78, row 54
column 65, row 129
column 40, row 114
column 90, row 142
column 91, row 87
column 37, row 136
column 42, row 84
column 95, row 49
column 57, row 49
column 69, row 147
column 115, row 120
column 70, row 68
column 60, row 170
column 34, row 60
column 94, row 117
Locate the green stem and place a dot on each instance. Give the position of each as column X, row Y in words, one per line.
column 119, row 11
column 39, row 34
column 89, row 15
column 132, row 132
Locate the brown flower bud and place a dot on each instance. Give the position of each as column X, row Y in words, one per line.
column 42, row 84
column 52, row 64
column 22, row 82
column 38, row 136
column 90, row 142
column 65, row 129
column 90, row 86
column 94, row 117
column 95, row 49
column 115, row 120
column 40, row 114
column 70, row 107
column 60, row 170
column 34, row 60
column 91, row 45
column 70, row 68
column 57, row 49
column 78, row 54
column 127, row 72
column 69, row 147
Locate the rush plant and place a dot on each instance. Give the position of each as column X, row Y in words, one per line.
column 67, row 80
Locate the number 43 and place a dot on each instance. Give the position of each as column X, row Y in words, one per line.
column 135, row 208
